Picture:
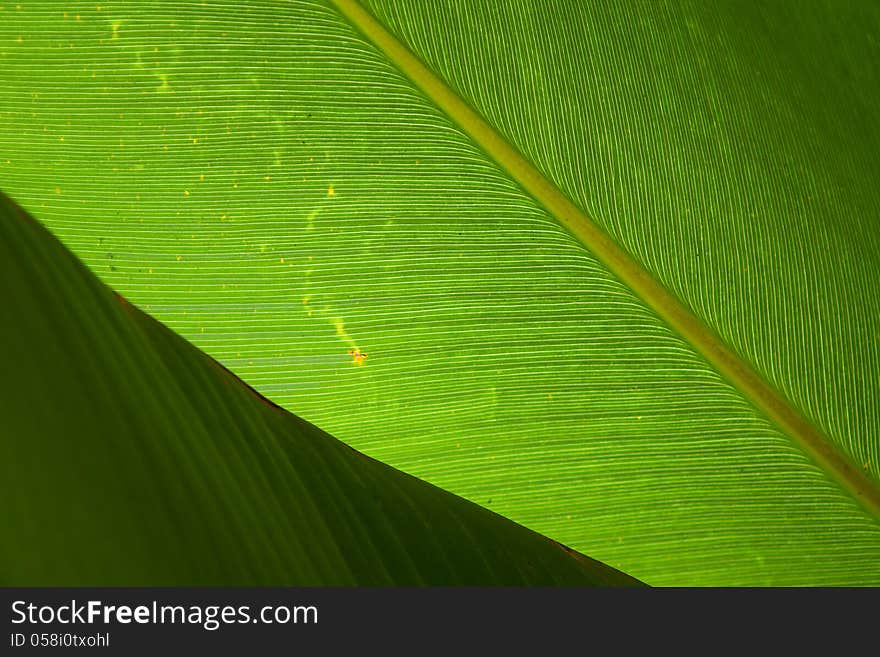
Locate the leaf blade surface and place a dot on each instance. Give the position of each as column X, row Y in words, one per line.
column 133, row 459
column 513, row 368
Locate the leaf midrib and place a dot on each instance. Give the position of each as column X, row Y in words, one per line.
column 668, row 307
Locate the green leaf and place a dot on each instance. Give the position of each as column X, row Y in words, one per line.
column 674, row 368
column 129, row 457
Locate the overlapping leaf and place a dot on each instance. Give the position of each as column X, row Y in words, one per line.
column 262, row 178
column 129, row 457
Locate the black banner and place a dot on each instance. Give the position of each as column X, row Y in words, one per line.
column 267, row 621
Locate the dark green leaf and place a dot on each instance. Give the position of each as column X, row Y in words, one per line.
column 272, row 185
column 129, row 457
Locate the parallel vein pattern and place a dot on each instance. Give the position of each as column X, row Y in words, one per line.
column 733, row 152
column 171, row 471
column 704, row 340
column 262, row 179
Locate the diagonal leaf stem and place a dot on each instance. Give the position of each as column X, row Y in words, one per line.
column 704, row 339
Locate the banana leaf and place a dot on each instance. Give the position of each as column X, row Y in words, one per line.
column 130, row 457
column 607, row 269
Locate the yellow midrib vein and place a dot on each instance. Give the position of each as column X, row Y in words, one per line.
column 638, row 279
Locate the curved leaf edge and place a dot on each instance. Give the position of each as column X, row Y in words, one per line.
column 132, row 458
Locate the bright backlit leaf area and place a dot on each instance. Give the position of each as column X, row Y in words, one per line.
column 270, row 181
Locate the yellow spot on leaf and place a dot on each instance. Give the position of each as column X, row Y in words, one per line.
column 186, row 192
column 179, row 258
column 330, row 191
column 57, row 190
column 357, row 356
